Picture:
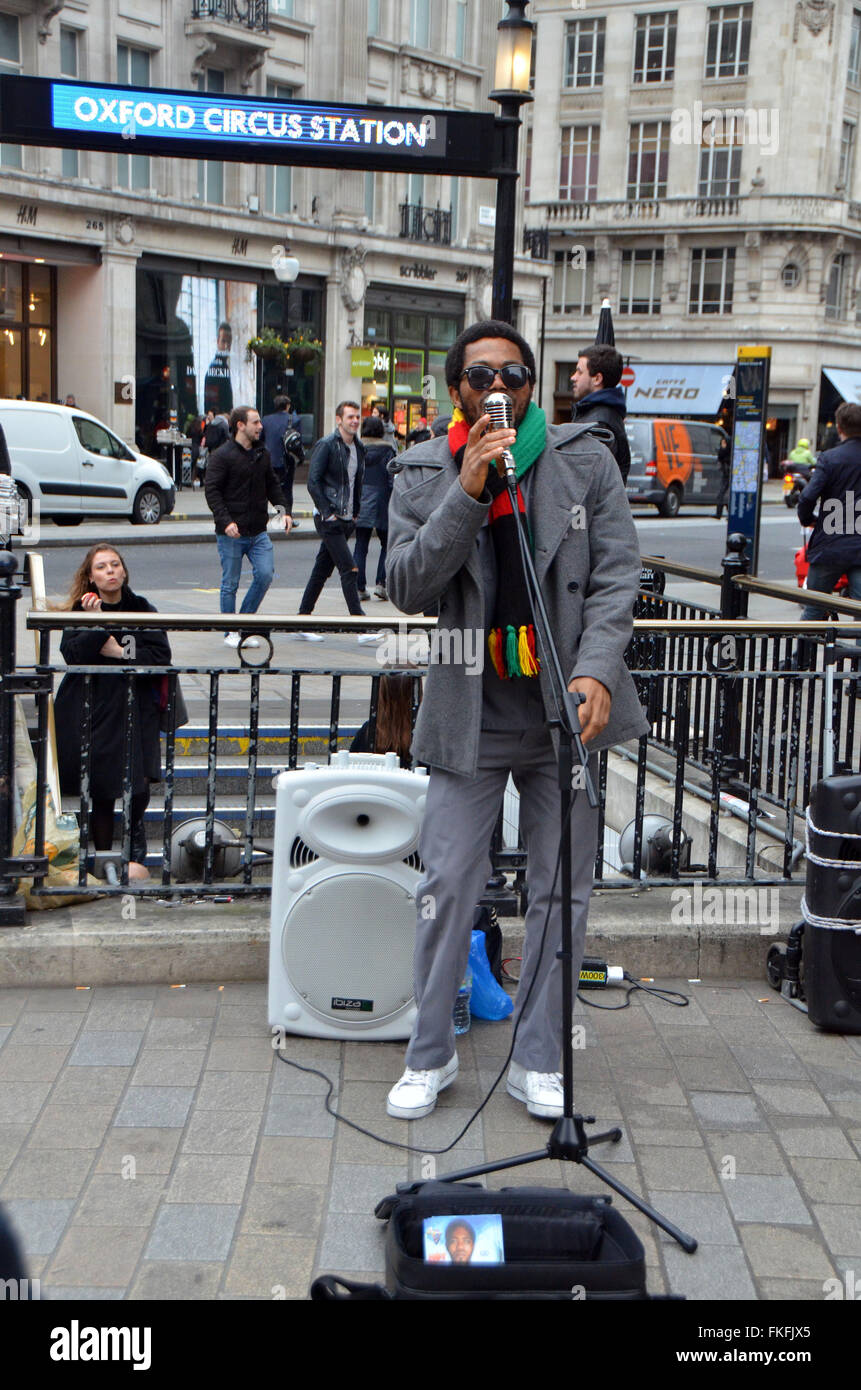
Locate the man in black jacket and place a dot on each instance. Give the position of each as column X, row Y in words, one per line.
column 599, row 397
column 335, row 485
column 834, row 548
column 239, row 482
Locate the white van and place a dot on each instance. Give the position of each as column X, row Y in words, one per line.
column 74, row 466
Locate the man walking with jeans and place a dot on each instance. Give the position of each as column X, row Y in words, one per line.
column 335, row 485
column 239, row 482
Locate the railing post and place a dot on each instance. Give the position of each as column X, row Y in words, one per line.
column 733, row 600
column 11, row 904
column 733, row 604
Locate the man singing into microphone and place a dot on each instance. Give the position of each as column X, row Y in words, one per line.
column 452, row 540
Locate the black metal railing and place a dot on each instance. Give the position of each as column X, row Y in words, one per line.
column 250, row 14
column 419, row 223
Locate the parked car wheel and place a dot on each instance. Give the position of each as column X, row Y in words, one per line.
column 68, row 520
column 672, row 502
column 148, row 508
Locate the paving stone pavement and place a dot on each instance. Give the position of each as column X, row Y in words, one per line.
column 154, row 1146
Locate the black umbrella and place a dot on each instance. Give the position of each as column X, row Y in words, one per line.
column 605, row 332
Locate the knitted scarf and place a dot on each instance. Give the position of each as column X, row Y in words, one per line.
column 511, row 637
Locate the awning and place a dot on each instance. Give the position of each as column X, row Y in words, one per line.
column 845, row 382
column 670, row 388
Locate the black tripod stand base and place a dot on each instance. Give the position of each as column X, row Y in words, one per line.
column 569, row 1141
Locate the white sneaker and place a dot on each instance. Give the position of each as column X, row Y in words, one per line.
column 416, row 1092
column 251, row 642
column 309, row 636
column 369, row 639
column 232, row 640
column 540, row 1091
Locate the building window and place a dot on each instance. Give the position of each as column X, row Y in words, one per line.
column 584, row 53
column 10, row 62
column 69, row 68
column 578, row 163
column 720, row 161
column 853, row 75
column 711, row 281
column 527, row 165
column 655, row 47
column 573, row 281
column 461, row 18
column 847, row 158
column 648, row 159
column 728, row 41
column 642, row 273
column 27, row 319
column 210, row 172
column 835, row 297
column 373, row 17
column 370, row 195
column 790, row 275
column 282, row 8
column 454, row 203
column 420, row 24
column 133, row 64
column 415, row 189
column 279, row 177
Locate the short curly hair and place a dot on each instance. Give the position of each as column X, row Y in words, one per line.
column 487, row 328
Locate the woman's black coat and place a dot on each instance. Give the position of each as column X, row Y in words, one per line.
column 376, row 488
column 82, row 647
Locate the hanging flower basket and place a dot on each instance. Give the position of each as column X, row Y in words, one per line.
column 304, row 351
column 269, row 347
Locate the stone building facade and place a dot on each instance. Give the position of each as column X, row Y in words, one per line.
column 121, row 274
column 697, row 163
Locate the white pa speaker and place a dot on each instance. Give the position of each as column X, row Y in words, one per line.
column 344, row 877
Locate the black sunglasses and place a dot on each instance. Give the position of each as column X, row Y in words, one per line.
column 513, row 374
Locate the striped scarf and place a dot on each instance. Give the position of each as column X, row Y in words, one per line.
column 511, row 636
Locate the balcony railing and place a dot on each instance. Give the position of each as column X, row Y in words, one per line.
column 252, row 14
column 768, row 209
column 536, row 243
column 419, row 223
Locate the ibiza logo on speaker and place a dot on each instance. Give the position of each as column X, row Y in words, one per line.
column 362, row 1006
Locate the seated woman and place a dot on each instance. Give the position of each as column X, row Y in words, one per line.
column 101, row 585
column 394, row 718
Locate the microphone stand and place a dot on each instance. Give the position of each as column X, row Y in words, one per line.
column 568, row 1139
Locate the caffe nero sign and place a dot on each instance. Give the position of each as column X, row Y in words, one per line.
column 150, row 120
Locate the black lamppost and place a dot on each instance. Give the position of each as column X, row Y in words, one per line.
column 511, row 91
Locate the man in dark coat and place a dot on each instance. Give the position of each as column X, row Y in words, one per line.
column 834, row 548
column 599, row 397
column 239, row 482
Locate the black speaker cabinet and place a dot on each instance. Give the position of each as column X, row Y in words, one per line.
column 832, row 954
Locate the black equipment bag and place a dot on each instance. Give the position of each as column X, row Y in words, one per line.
column 557, row 1246
column 485, row 919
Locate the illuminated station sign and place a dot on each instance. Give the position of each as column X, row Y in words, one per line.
column 119, row 119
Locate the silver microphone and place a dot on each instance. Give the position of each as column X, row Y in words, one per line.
column 500, row 407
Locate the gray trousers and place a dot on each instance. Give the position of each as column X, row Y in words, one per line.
column 459, row 819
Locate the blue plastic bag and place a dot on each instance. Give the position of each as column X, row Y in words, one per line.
column 488, row 999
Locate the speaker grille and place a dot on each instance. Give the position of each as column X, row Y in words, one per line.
column 301, row 854
column 349, row 938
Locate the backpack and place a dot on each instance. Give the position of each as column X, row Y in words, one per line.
column 294, row 454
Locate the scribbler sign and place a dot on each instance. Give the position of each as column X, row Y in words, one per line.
column 198, row 125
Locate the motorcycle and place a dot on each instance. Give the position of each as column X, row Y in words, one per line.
column 795, row 480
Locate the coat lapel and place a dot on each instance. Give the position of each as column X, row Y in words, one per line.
column 561, row 483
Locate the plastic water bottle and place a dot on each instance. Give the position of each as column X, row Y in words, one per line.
column 462, row 1016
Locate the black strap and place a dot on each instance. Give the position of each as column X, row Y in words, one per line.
column 326, row 1289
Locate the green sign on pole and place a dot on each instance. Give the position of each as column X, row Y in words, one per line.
column 362, row 363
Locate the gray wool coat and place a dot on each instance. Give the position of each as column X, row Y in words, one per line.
column 588, row 563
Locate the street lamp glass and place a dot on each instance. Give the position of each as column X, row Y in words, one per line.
column 513, row 57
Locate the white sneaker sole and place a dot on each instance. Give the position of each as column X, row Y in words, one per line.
column 403, row 1112
column 541, row 1112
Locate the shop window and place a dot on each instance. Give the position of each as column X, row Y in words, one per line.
column 26, row 331
column 377, row 325
column 409, row 328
